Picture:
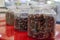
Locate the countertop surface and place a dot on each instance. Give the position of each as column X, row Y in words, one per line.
column 9, row 33
column 23, row 35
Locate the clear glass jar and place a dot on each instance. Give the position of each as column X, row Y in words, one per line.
column 10, row 17
column 41, row 22
column 21, row 18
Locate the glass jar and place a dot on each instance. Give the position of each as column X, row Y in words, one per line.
column 10, row 17
column 41, row 22
column 21, row 18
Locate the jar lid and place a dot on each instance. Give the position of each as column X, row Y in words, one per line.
column 42, row 9
column 22, row 10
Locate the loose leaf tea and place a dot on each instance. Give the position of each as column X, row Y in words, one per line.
column 41, row 26
column 21, row 23
column 10, row 18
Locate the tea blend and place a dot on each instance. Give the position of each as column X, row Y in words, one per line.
column 41, row 26
column 21, row 23
column 10, row 18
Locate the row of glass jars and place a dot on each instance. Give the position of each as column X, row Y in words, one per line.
column 39, row 20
